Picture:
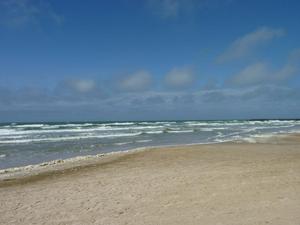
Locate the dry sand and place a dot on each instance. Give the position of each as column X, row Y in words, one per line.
column 232, row 184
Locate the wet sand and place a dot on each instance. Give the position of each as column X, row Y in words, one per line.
column 214, row 184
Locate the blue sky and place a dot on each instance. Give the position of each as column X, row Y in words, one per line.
column 149, row 59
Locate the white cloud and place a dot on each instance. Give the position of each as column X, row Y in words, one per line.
column 139, row 81
column 180, row 77
column 18, row 13
column 82, row 86
column 253, row 74
column 246, row 44
column 261, row 73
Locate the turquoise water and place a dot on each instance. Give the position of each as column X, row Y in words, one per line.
column 24, row 144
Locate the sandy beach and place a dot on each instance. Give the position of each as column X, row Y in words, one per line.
column 150, row 112
column 229, row 183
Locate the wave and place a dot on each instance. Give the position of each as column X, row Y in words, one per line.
column 6, row 132
column 131, row 142
column 212, row 129
column 154, row 132
column 58, row 126
column 123, row 143
column 51, row 139
column 246, row 122
column 15, row 133
column 180, row 131
column 143, row 141
column 29, row 125
column 78, row 130
column 252, row 138
column 12, row 137
column 120, row 123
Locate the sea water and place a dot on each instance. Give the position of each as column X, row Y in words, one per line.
column 31, row 143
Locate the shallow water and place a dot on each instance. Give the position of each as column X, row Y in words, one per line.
column 24, row 144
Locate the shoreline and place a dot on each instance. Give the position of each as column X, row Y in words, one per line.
column 23, row 174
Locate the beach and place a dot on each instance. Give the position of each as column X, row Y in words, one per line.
column 151, row 112
column 226, row 183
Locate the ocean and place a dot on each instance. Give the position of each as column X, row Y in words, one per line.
column 24, row 144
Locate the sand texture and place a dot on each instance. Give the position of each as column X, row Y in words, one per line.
column 233, row 184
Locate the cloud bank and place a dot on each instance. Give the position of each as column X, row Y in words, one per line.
column 261, row 101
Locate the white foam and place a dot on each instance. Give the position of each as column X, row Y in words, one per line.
column 51, row 139
column 6, row 132
column 123, row 143
column 154, row 132
column 147, row 123
column 180, row 131
column 55, row 126
column 195, row 123
column 264, row 135
column 208, row 129
column 12, row 137
column 29, row 125
column 218, row 140
column 120, row 123
column 143, row 141
column 78, row 130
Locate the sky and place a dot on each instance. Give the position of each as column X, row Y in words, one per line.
column 149, row 60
